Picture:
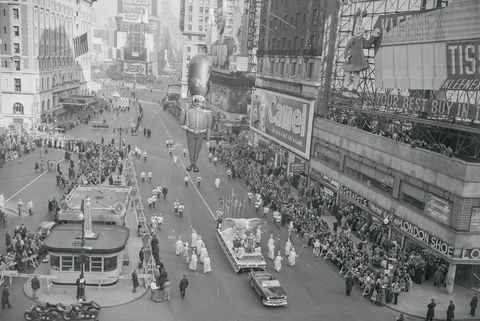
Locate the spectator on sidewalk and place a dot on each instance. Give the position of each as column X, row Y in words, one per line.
column 134, row 280
column 451, row 311
column 141, row 256
column 430, row 310
column 35, row 283
column 5, row 295
column 473, row 304
column 166, row 290
column 30, row 207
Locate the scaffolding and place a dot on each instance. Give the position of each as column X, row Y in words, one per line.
column 461, row 135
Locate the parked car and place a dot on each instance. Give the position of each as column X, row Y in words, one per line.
column 268, row 288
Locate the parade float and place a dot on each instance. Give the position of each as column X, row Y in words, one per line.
column 240, row 241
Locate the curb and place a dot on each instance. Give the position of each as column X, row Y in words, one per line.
column 417, row 317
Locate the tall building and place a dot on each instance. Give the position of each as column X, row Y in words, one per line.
column 136, row 32
column 37, row 63
column 170, row 47
column 194, row 20
column 233, row 55
column 292, row 41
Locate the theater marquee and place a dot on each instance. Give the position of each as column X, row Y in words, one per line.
column 285, row 119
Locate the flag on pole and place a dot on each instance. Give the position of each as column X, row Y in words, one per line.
column 80, row 45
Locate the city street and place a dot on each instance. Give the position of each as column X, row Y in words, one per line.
column 315, row 289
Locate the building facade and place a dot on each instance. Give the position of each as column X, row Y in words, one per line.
column 136, row 35
column 392, row 153
column 38, row 67
column 194, row 21
column 290, row 48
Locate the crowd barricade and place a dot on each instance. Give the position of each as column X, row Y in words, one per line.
column 98, row 124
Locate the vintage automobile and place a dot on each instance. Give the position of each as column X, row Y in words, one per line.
column 268, row 288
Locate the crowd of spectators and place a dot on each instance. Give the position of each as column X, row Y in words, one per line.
column 359, row 245
column 100, row 161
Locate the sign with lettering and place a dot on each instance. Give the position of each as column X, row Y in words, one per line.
column 463, row 59
column 352, row 195
column 471, row 254
column 252, row 12
column 285, row 119
column 424, row 237
column 438, row 208
column 134, row 68
column 434, row 107
column 297, row 167
column 475, row 219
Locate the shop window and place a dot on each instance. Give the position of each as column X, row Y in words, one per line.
column 369, row 175
column 326, row 155
column 412, row 195
column 67, row 263
column 109, row 263
column 54, row 262
column 96, row 264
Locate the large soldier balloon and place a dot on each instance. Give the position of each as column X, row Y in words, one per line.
column 195, row 119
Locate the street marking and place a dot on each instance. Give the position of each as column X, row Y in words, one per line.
column 183, row 164
column 30, row 183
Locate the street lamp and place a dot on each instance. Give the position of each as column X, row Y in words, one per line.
column 81, row 217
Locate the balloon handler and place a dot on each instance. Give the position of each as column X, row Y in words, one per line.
column 195, row 119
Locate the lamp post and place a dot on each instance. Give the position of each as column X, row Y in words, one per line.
column 81, row 216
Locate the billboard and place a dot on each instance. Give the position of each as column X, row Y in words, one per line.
column 139, row 54
column 229, row 99
column 430, row 50
column 134, row 68
column 252, row 13
column 285, row 119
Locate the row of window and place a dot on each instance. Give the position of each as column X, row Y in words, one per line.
column 275, row 23
column 91, row 263
column 291, row 43
column 291, row 69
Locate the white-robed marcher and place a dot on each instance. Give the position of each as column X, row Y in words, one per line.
column 185, row 254
column 194, row 238
column 277, row 263
column 203, row 254
column 288, row 247
column 207, row 267
column 193, row 262
column 271, row 251
column 200, row 244
column 179, row 246
column 292, row 257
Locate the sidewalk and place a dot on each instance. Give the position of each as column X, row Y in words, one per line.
column 414, row 303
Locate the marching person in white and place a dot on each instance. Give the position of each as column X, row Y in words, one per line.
column 175, row 158
column 145, row 156
column 150, row 177
column 203, row 254
column 277, row 263
column 271, row 248
column 193, row 262
column 217, row 182
column 159, row 220
column 200, row 243
column 207, row 267
column 186, row 257
column 316, row 248
column 288, row 247
column 292, row 256
column 179, row 245
column 184, row 152
column 143, row 175
column 194, row 238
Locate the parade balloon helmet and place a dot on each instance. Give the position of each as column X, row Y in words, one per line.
column 199, row 72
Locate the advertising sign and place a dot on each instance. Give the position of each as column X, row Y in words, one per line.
column 438, row 208
column 424, row 237
column 437, row 49
column 135, row 54
column 132, row 17
column 252, row 12
column 297, row 167
column 285, row 119
column 406, row 104
column 134, row 68
column 475, row 219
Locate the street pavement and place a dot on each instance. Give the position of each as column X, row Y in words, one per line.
column 315, row 289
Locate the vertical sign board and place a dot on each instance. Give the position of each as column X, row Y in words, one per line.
column 252, row 12
column 438, row 208
column 475, row 220
column 285, row 119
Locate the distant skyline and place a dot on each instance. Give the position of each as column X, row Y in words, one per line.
column 105, row 9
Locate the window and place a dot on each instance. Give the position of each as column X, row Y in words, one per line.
column 200, row 28
column 17, row 65
column 4, row 29
column 190, row 18
column 189, row 27
column 309, row 74
column 295, row 40
column 109, row 263
column 96, row 264
column 16, row 48
column 297, row 17
column 412, row 195
column 67, row 263
column 54, row 262
column 313, row 40
column 4, row 12
column 16, row 30
column 293, row 69
column 5, row 64
column 190, row 9
column 18, row 84
column 315, row 17
column 271, row 67
column 18, row 109
column 188, row 57
column 188, row 49
column 201, row 9
column 200, row 20
column 15, row 13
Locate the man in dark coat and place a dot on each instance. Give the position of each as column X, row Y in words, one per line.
column 183, row 286
column 473, row 304
column 165, row 192
column 5, row 295
column 35, row 286
column 141, row 256
column 134, row 280
column 349, row 284
column 451, row 311
column 430, row 310
column 8, row 239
